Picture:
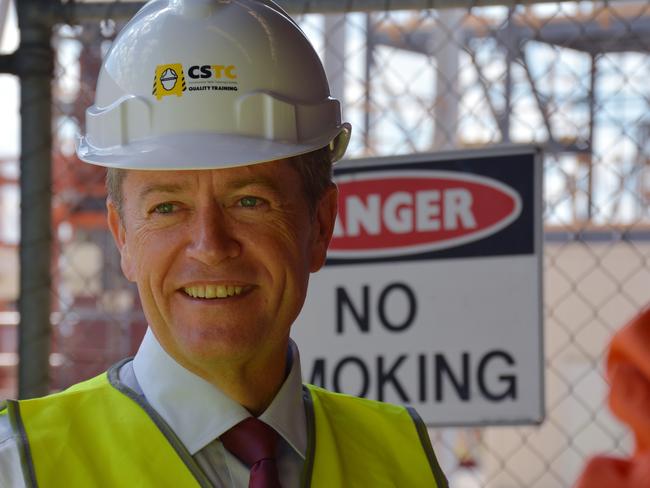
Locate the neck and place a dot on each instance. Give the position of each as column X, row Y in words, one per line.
column 252, row 383
column 253, row 389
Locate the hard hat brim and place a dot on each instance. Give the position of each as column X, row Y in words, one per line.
column 204, row 151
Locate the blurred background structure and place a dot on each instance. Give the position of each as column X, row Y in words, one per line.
column 571, row 77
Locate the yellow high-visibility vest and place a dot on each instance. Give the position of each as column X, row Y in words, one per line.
column 99, row 433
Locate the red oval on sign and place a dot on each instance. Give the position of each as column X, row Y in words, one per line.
column 407, row 212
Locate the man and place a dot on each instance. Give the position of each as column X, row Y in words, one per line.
column 221, row 204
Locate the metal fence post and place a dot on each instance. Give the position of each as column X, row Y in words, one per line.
column 34, row 65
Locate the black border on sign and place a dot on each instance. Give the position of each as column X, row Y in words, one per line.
column 351, row 165
column 515, row 238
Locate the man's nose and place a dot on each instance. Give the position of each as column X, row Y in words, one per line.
column 213, row 239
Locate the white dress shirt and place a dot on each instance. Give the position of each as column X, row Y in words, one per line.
column 198, row 413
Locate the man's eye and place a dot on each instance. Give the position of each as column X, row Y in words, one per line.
column 164, row 208
column 250, row 202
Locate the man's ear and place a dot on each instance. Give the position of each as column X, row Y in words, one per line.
column 118, row 231
column 323, row 226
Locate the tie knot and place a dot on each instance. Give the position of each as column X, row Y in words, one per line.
column 251, row 441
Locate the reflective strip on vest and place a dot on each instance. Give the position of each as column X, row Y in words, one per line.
column 100, row 433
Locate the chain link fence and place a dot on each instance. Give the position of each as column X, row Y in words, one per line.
column 571, row 77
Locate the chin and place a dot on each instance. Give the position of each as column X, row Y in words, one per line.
column 214, row 344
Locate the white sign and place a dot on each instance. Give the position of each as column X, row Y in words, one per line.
column 432, row 292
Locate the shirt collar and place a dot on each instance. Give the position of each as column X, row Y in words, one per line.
column 198, row 412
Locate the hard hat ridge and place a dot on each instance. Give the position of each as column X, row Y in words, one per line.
column 195, row 9
column 191, row 84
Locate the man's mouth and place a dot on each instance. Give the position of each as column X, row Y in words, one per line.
column 213, row 291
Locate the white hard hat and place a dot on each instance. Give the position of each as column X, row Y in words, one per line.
column 198, row 84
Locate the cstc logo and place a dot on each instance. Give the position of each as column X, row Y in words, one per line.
column 169, row 79
column 393, row 213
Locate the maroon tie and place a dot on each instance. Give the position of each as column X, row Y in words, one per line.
column 254, row 443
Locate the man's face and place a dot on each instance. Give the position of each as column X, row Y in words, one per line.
column 221, row 257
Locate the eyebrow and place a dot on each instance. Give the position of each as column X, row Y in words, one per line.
column 263, row 181
column 160, row 188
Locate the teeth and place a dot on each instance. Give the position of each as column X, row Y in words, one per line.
column 213, row 291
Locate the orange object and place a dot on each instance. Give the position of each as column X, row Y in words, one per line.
column 607, row 472
column 628, row 371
